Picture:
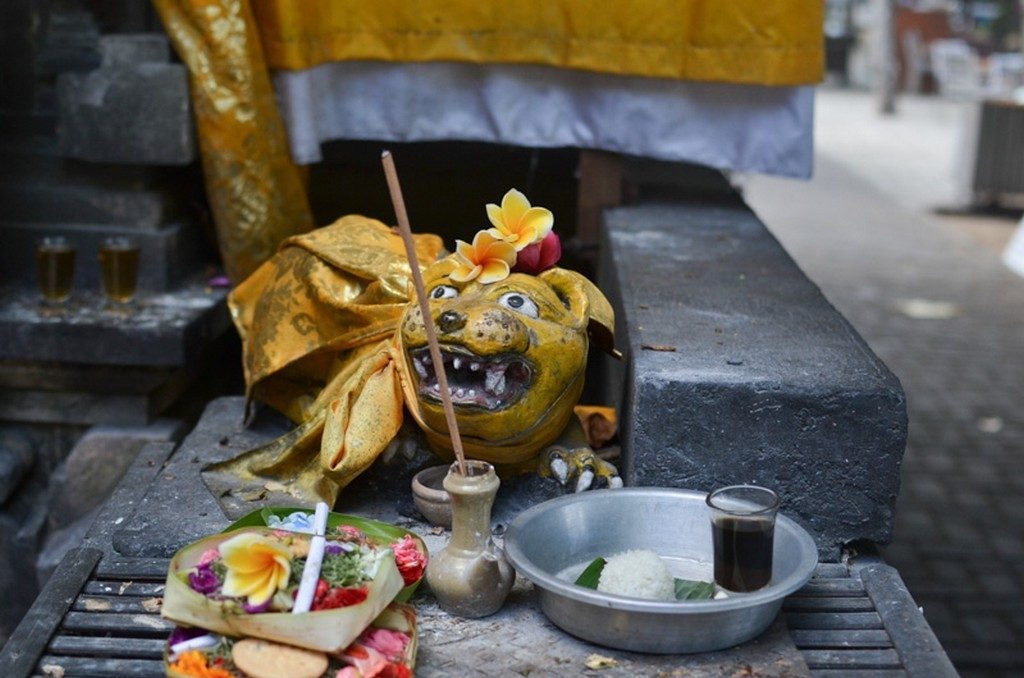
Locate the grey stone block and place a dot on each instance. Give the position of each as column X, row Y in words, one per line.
column 59, row 542
column 739, row 371
column 91, row 472
column 17, row 454
column 166, row 255
column 137, row 114
column 22, row 528
column 128, row 49
column 146, row 210
column 165, row 330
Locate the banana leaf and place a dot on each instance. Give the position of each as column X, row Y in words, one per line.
column 325, row 630
column 396, row 616
column 383, row 534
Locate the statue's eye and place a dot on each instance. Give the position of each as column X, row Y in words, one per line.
column 444, row 292
column 520, row 303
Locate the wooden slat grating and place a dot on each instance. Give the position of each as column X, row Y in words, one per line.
column 113, row 626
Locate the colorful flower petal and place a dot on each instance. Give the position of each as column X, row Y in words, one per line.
column 487, row 259
column 517, row 223
column 256, row 567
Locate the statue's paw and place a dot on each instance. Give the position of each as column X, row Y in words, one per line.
column 580, row 469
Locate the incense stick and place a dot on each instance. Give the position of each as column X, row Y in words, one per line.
column 421, row 294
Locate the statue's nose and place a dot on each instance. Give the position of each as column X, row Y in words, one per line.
column 450, row 321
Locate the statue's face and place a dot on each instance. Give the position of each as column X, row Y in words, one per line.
column 514, row 352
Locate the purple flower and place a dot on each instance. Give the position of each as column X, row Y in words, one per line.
column 204, row 580
column 334, row 548
column 256, row 609
column 182, row 633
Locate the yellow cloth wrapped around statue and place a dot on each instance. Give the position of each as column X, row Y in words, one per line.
column 332, row 337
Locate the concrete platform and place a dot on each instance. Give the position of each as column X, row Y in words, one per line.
column 738, row 370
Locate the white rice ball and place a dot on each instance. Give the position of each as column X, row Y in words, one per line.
column 640, row 573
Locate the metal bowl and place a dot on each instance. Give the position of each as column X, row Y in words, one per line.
column 561, row 536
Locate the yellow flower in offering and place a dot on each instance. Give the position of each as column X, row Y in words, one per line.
column 487, row 260
column 256, row 567
column 518, row 223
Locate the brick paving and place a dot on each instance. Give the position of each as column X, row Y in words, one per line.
column 862, row 230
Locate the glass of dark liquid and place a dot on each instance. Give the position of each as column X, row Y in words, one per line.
column 743, row 532
column 55, row 265
column 119, row 268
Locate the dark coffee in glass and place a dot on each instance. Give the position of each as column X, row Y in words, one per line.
column 743, row 536
column 743, row 553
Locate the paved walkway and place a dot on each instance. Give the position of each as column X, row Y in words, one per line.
column 932, row 299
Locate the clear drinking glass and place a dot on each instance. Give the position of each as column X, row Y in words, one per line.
column 55, row 265
column 743, row 532
column 119, row 268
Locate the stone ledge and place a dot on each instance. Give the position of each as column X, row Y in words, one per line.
column 162, row 330
column 740, row 371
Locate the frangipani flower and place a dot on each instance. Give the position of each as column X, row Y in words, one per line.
column 256, row 567
column 487, row 260
column 518, row 223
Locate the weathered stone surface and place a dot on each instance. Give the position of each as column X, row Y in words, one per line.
column 55, row 204
column 382, row 492
column 69, row 42
column 128, row 49
column 92, row 470
column 59, row 542
column 164, row 330
column 167, row 256
column 22, row 527
column 136, row 113
column 739, row 371
column 16, row 457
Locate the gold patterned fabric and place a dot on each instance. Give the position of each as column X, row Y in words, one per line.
column 767, row 42
column 255, row 192
column 318, row 324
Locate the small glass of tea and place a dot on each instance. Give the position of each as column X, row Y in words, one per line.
column 55, row 264
column 743, row 533
column 119, row 268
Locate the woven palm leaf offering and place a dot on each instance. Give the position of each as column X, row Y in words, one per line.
column 387, row 649
column 317, row 592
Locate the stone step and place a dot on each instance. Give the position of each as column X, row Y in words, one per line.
column 167, row 255
column 132, row 114
column 136, row 210
column 34, row 159
column 738, row 370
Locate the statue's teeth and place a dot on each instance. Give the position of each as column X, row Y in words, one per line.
column 420, row 368
column 475, row 367
column 457, row 362
column 460, row 392
column 472, row 393
column 495, row 380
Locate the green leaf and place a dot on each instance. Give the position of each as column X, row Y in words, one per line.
column 592, row 574
column 687, row 589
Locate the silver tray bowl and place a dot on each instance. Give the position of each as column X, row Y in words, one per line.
column 552, row 542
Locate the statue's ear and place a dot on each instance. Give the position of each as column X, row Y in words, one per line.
column 587, row 304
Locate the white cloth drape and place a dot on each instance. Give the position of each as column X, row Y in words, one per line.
column 737, row 127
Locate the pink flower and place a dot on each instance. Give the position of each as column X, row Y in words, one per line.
column 208, row 557
column 347, row 672
column 350, row 532
column 410, row 560
column 389, row 643
column 540, row 256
